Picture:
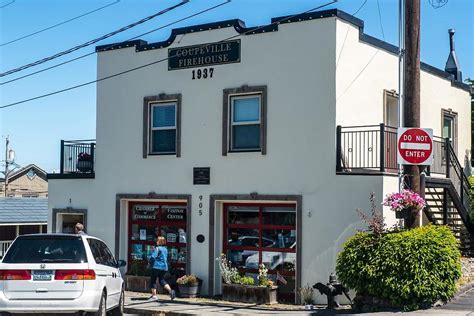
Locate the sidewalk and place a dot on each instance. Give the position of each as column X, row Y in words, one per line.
column 138, row 303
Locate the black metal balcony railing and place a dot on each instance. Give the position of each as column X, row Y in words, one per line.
column 373, row 148
column 370, row 148
column 77, row 158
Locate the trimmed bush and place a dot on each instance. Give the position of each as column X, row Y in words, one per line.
column 411, row 269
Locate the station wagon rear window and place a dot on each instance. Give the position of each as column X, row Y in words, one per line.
column 46, row 249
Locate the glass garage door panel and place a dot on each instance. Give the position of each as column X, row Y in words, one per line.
column 279, row 238
column 284, row 216
column 256, row 234
column 242, row 215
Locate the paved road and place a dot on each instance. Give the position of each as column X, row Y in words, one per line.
column 462, row 306
column 464, row 303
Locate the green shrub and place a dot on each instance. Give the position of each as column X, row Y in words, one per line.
column 412, row 268
column 246, row 280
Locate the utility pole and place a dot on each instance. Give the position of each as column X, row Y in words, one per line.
column 411, row 113
column 7, row 141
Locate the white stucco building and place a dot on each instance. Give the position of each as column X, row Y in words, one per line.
column 234, row 147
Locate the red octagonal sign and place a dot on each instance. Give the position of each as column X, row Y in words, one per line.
column 415, row 146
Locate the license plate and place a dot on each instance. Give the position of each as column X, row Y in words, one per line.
column 42, row 275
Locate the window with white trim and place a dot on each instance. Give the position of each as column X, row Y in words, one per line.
column 245, row 122
column 163, row 128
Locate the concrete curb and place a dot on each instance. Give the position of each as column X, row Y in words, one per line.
column 462, row 290
column 151, row 313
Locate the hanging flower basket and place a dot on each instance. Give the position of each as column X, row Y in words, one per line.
column 404, row 203
column 403, row 213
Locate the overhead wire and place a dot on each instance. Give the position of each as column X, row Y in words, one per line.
column 132, row 38
column 58, row 24
column 160, row 60
column 347, row 33
column 6, row 5
column 380, row 20
column 73, row 49
column 358, row 75
column 368, row 63
column 360, row 8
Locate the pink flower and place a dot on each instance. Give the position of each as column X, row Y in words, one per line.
column 399, row 201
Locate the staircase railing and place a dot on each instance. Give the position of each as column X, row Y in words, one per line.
column 455, row 172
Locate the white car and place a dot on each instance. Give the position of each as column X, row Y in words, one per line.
column 60, row 273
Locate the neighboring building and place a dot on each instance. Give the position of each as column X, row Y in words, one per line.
column 260, row 147
column 30, row 181
column 19, row 216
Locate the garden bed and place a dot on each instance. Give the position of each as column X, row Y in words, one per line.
column 249, row 293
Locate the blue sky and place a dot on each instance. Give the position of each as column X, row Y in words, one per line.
column 36, row 128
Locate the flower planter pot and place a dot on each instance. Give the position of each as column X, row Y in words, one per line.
column 84, row 165
column 141, row 284
column 188, row 290
column 403, row 213
column 137, row 283
column 249, row 294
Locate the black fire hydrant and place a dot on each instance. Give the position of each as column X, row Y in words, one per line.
column 331, row 290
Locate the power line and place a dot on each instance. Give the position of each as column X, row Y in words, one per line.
column 59, row 24
column 158, row 61
column 358, row 75
column 347, row 33
column 92, row 53
column 380, row 20
column 6, row 5
column 68, row 51
column 370, row 60
column 360, row 8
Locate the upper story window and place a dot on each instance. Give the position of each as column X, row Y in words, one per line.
column 449, row 126
column 245, row 123
column 161, row 125
column 163, row 128
column 244, row 119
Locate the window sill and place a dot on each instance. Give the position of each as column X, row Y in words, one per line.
column 162, row 154
column 244, row 151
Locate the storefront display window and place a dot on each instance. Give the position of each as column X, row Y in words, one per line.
column 148, row 220
column 263, row 234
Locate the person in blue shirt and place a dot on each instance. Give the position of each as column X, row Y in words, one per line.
column 160, row 266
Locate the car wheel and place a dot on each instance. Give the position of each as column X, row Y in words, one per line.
column 119, row 310
column 102, row 306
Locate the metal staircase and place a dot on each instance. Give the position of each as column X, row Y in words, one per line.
column 448, row 201
column 441, row 210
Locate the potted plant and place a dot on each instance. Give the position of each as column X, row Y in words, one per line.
column 137, row 278
column 306, row 293
column 237, row 288
column 84, row 162
column 188, row 285
column 404, row 203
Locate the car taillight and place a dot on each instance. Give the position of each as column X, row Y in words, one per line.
column 86, row 274
column 12, row 275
